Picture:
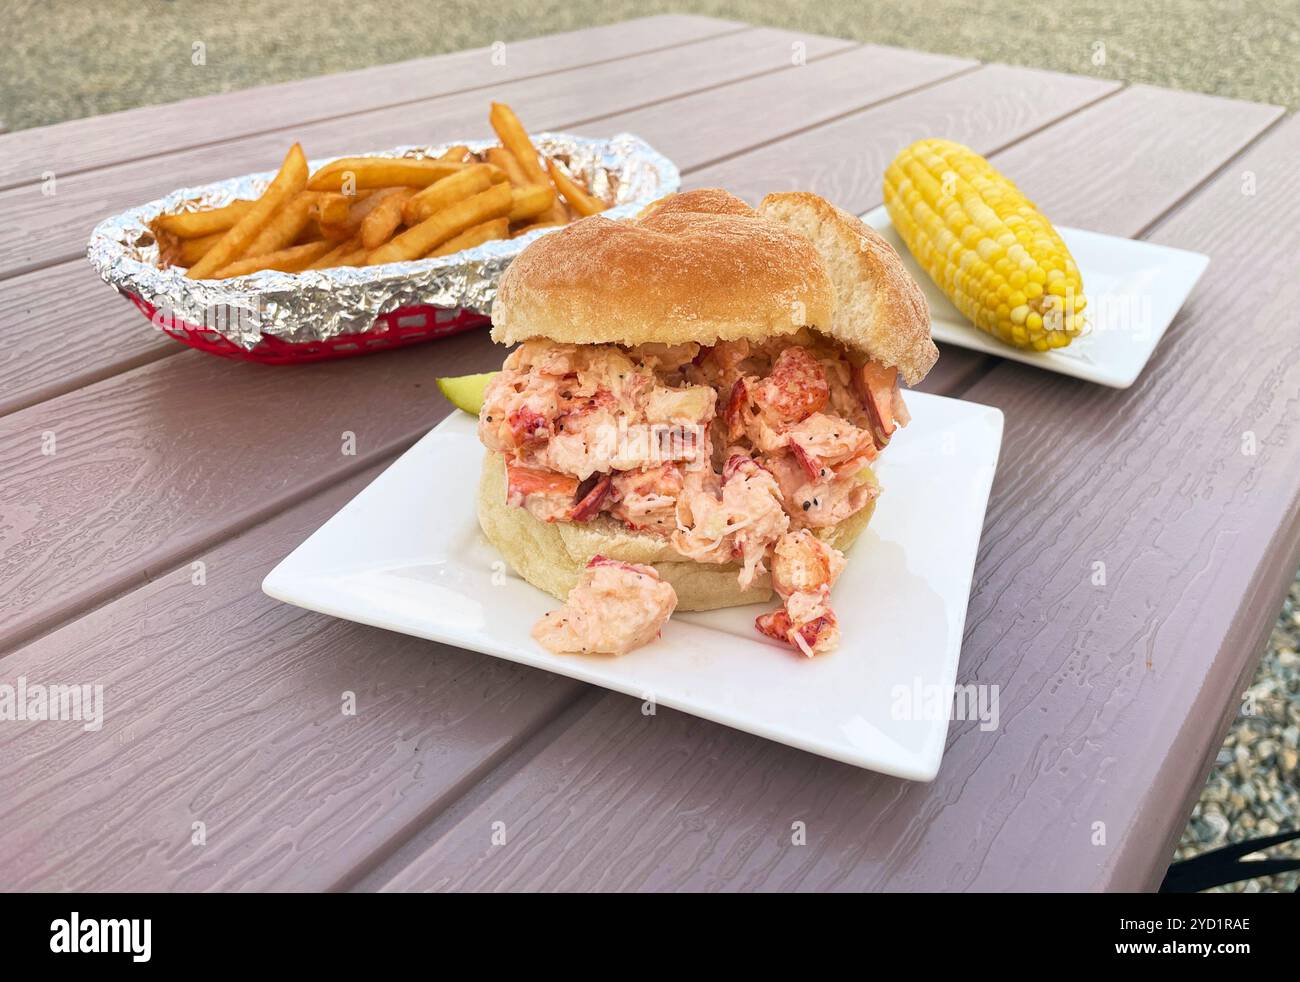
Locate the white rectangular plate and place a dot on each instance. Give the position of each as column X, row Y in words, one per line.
column 407, row 554
column 1134, row 289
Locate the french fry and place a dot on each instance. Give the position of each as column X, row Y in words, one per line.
column 536, row 225
column 557, row 214
column 579, row 200
column 514, row 138
column 196, row 224
column 284, row 226
column 169, row 248
column 343, row 223
column 362, row 208
column 191, row 251
column 311, row 232
column 498, row 228
column 380, row 172
column 357, row 258
column 358, row 212
column 471, row 180
column 337, row 233
column 186, row 252
column 331, row 258
column 352, row 210
column 332, row 208
column 292, row 260
column 503, row 158
column 382, row 221
column 445, row 224
column 531, row 201
column 288, row 182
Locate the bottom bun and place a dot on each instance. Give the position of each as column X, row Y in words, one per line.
column 551, row 555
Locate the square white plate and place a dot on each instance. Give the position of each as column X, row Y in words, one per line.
column 407, row 554
column 1134, row 289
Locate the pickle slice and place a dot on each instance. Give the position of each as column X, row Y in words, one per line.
column 466, row 391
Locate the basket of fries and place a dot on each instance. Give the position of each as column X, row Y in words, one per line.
column 344, row 256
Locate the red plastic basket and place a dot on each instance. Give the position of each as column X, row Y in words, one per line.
column 408, row 325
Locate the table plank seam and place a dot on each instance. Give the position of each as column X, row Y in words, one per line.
column 387, row 862
column 379, row 107
column 1171, row 212
column 738, row 80
column 96, row 376
column 840, row 117
column 170, row 561
column 1064, row 117
column 971, row 376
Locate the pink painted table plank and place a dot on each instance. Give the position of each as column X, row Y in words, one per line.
column 845, row 160
column 159, row 131
column 775, row 106
column 224, row 707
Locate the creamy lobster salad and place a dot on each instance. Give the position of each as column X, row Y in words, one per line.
column 734, row 453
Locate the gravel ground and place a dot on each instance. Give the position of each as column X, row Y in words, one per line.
column 67, row 58
column 1254, row 789
column 63, row 59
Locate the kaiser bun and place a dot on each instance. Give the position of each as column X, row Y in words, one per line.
column 677, row 274
column 704, row 266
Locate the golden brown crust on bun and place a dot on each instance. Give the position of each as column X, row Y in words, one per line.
column 880, row 310
column 704, row 266
column 679, row 274
column 551, row 556
column 701, row 201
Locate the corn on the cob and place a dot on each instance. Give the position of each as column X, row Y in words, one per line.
column 985, row 244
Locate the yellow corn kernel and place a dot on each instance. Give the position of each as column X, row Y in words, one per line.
column 994, row 254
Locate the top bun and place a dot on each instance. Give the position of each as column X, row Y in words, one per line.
column 701, row 201
column 879, row 309
column 697, row 267
column 704, row 266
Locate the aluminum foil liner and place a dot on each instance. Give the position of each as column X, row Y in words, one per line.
column 319, row 304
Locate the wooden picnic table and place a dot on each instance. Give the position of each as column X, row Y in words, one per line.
column 222, row 707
